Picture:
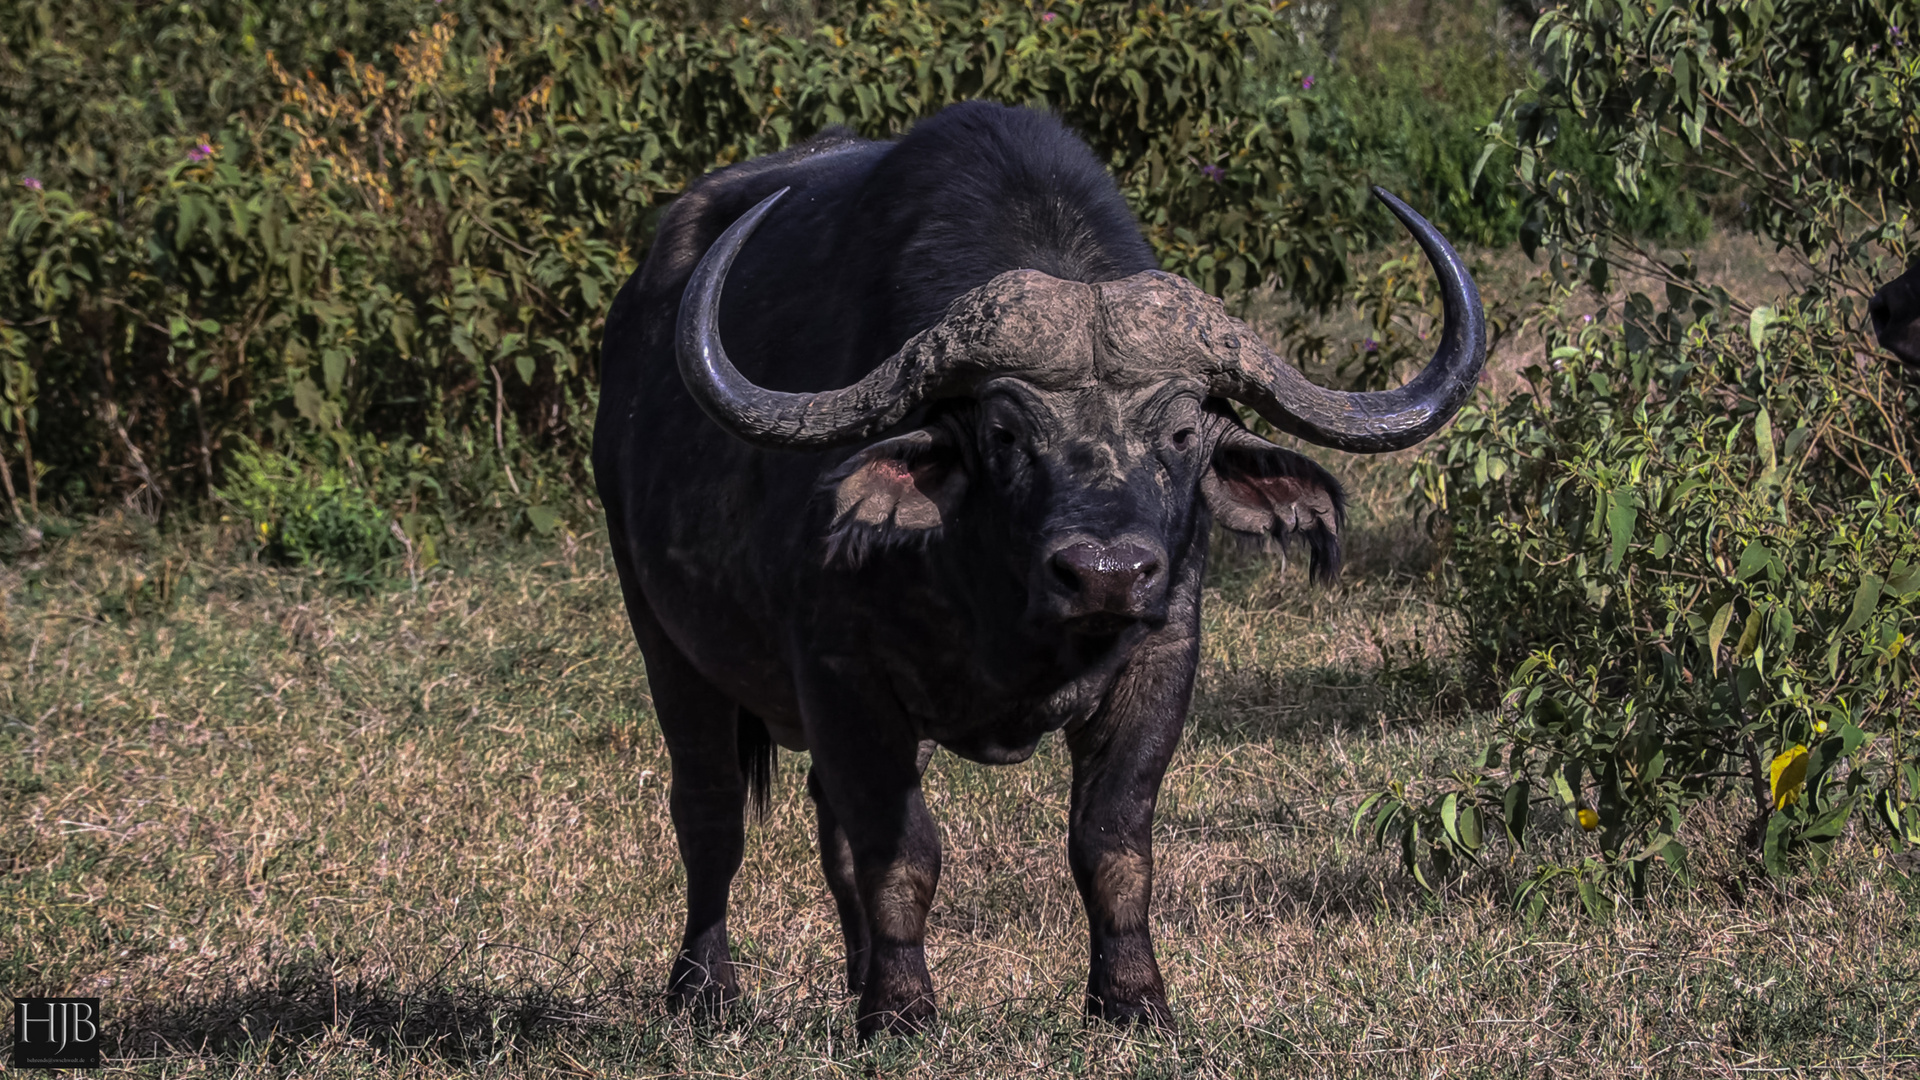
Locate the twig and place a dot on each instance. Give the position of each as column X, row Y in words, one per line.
column 499, row 437
column 6, row 477
column 113, row 421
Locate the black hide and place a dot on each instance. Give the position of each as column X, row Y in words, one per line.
column 1895, row 311
column 1023, row 561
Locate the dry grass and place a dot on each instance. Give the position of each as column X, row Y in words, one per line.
column 283, row 830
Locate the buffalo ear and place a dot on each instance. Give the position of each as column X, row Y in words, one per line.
column 1258, row 488
column 899, row 490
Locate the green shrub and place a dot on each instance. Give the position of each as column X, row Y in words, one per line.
column 1695, row 561
column 419, row 243
column 1689, row 550
column 1409, row 102
column 1797, row 112
column 350, row 513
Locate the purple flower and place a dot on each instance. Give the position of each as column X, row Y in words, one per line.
column 32, row 183
column 1213, row 172
column 1586, row 318
column 1370, row 345
column 1306, row 83
column 1048, row 16
column 200, row 153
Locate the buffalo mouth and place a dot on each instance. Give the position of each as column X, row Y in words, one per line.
column 1100, row 625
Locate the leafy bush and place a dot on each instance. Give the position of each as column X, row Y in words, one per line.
column 1409, row 102
column 420, row 245
column 1798, row 112
column 1690, row 549
column 1700, row 562
column 353, row 514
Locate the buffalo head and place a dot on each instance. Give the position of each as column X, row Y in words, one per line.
column 1895, row 311
column 1088, row 422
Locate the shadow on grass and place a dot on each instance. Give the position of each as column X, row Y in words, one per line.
column 1257, row 704
column 303, row 1007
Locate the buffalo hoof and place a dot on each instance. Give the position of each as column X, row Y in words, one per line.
column 1145, row 1011
column 701, row 988
column 914, row 1015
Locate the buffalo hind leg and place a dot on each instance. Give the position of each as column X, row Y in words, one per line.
column 708, row 800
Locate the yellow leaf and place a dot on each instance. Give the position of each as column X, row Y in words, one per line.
column 1789, row 775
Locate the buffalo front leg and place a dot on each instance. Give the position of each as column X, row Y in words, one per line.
column 1119, row 759
column 867, row 761
column 836, row 860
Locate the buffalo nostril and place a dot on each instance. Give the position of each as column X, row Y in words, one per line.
column 1104, row 578
column 1078, row 568
column 1072, row 567
column 1146, row 568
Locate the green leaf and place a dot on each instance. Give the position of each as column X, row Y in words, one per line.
column 1828, row 826
column 1471, row 834
column 1365, row 805
column 525, row 365
column 333, row 363
column 1763, row 438
column 191, row 210
column 307, row 399
column 1757, row 325
column 1515, row 803
column 1410, row 854
column 1754, row 559
column 1480, row 165
column 543, row 520
column 1675, row 856
column 1621, row 515
column 1597, row 905
column 1865, row 599
column 1774, row 849
column 1750, row 636
column 1717, row 632
column 1654, row 846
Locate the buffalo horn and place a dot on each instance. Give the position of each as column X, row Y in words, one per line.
column 941, row 360
column 1367, row 423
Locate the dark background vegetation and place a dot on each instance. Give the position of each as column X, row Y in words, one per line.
column 385, row 271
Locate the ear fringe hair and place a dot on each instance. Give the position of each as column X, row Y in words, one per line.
column 1324, row 554
column 1323, row 546
column 851, row 543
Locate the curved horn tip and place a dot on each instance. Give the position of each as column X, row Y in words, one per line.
column 1407, row 214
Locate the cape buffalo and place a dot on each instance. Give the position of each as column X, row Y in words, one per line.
column 948, row 482
column 1895, row 311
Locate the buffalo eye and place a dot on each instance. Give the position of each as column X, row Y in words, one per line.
column 1183, row 439
column 1002, row 436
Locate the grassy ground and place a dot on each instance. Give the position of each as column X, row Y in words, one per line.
column 284, row 830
